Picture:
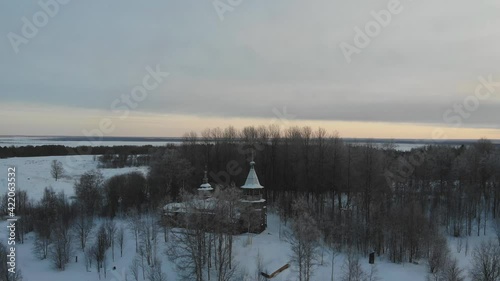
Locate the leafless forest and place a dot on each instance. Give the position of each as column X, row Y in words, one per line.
column 350, row 198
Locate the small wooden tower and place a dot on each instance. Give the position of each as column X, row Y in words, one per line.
column 205, row 189
column 254, row 202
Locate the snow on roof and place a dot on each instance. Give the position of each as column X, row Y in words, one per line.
column 205, row 186
column 253, row 201
column 175, row 207
column 190, row 206
column 252, row 181
column 199, row 206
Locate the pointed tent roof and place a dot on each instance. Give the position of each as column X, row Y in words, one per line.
column 205, row 185
column 252, row 181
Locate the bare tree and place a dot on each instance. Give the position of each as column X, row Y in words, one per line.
column 452, row 272
column 82, row 229
column 304, row 240
column 135, row 226
column 148, row 235
column 105, row 265
column 169, row 171
column 61, row 249
column 155, row 273
column 99, row 249
column 466, row 246
column 89, row 257
column 120, row 238
column 45, row 218
column 187, row 247
column 486, row 262
column 142, row 265
column 134, row 269
column 111, row 229
column 439, row 255
column 226, row 203
column 23, row 209
column 56, row 169
column 373, row 274
column 334, row 255
column 88, row 191
column 352, row 268
column 497, row 229
column 186, row 250
column 460, row 242
column 41, row 246
column 205, row 246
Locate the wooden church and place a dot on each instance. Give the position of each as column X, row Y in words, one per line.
column 250, row 214
column 253, row 202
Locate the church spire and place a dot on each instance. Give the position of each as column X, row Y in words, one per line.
column 252, row 181
column 205, row 178
column 252, row 163
column 205, row 185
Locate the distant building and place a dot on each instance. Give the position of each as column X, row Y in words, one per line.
column 250, row 215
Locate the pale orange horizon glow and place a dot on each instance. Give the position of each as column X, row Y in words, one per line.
column 33, row 120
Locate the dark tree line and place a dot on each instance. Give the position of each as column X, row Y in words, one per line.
column 364, row 196
column 61, row 150
column 116, row 196
column 122, row 159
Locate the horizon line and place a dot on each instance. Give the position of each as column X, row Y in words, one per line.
column 160, row 138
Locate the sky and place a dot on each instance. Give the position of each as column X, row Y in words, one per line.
column 367, row 69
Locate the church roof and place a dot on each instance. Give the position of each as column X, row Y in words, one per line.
column 205, row 185
column 252, row 181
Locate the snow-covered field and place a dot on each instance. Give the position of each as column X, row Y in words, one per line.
column 39, row 141
column 33, row 174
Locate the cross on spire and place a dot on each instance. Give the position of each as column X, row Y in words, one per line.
column 205, row 178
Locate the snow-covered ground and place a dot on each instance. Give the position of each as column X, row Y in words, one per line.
column 273, row 251
column 33, row 174
column 39, row 141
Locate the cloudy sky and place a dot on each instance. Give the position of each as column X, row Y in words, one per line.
column 252, row 62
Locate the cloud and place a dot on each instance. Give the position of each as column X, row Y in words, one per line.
column 264, row 55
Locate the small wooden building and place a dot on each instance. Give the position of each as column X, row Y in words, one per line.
column 249, row 216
